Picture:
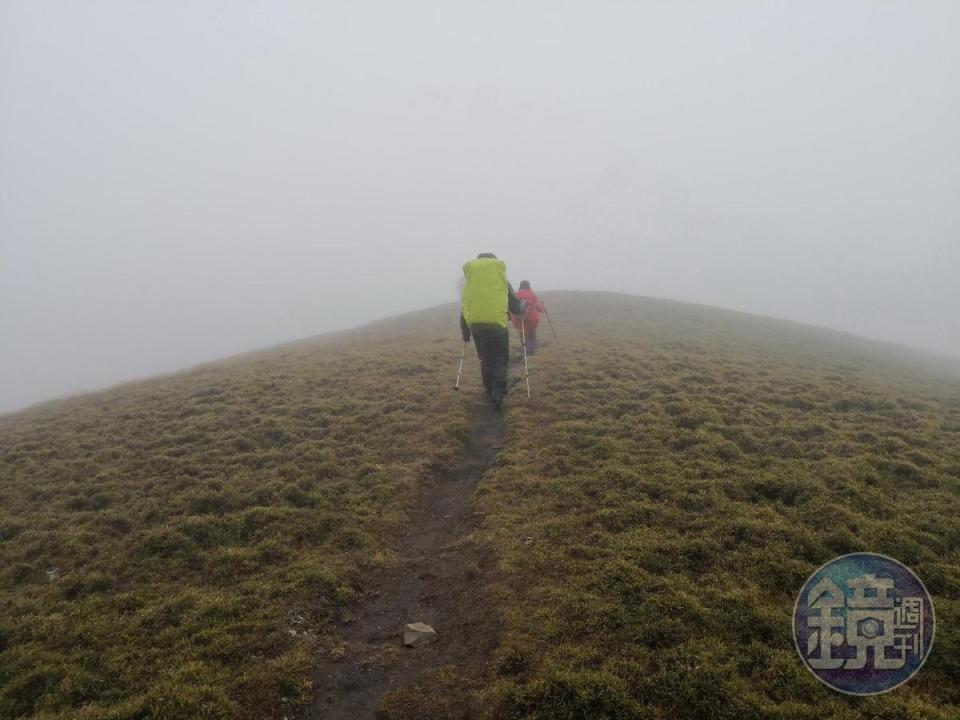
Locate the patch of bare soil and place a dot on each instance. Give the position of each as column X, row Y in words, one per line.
column 437, row 581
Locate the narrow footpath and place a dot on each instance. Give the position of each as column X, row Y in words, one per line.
column 437, row 581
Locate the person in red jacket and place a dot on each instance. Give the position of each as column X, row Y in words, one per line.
column 531, row 316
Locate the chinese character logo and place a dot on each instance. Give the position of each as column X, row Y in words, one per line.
column 863, row 623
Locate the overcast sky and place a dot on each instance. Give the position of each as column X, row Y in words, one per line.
column 184, row 180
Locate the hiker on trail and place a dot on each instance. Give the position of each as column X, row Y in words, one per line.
column 531, row 318
column 487, row 300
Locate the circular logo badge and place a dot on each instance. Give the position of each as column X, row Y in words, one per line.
column 863, row 623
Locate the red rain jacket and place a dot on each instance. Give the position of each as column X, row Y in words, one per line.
column 534, row 308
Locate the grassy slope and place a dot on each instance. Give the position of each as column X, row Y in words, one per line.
column 197, row 519
column 678, row 474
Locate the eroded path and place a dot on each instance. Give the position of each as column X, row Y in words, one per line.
column 437, row 581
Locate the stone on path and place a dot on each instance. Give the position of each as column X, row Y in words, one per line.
column 418, row 634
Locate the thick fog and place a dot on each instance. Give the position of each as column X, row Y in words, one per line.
column 181, row 181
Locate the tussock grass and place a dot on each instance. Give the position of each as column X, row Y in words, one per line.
column 679, row 474
column 178, row 548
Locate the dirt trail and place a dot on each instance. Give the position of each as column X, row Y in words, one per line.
column 437, row 582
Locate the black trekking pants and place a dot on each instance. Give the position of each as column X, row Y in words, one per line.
column 493, row 349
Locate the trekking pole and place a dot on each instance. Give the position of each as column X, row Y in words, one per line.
column 460, row 369
column 523, row 341
column 551, row 324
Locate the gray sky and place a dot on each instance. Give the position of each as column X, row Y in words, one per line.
column 180, row 180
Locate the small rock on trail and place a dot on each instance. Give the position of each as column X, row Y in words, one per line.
column 418, row 634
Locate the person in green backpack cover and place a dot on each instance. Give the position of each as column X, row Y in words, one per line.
column 488, row 300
